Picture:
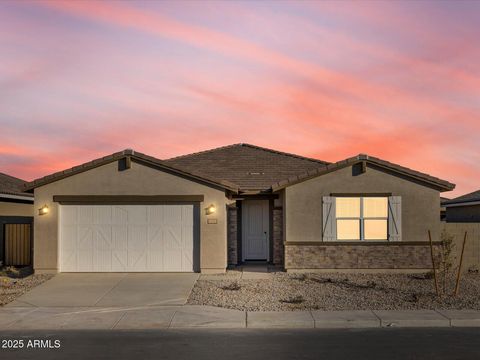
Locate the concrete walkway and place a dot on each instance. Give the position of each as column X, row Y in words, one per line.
column 191, row 316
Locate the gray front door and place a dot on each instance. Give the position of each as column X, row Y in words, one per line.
column 255, row 229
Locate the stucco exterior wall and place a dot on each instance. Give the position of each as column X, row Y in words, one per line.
column 466, row 214
column 303, row 203
column 15, row 209
column 138, row 180
column 471, row 256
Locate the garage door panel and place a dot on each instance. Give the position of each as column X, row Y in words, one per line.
column 102, row 260
column 119, row 215
column 126, row 238
column 187, row 260
column 155, row 260
column 137, row 260
column 137, row 215
column 173, row 260
column 85, row 260
column 103, row 238
column 119, row 260
column 156, row 215
column 187, row 238
column 102, row 215
column 85, row 215
column 173, row 215
column 173, row 238
column 155, row 238
column 85, row 237
column 137, row 237
column 187, row 216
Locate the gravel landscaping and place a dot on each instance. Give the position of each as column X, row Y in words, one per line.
column 283, row 292
column 15, row 282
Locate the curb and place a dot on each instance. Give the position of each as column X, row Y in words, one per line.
column 200, row 317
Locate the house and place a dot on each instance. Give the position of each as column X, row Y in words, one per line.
column 217, row 208
column 463, row 209
column 443, row 209
column 14, row 201
column 16, row 217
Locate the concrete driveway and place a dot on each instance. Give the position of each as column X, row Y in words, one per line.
column 110, row 290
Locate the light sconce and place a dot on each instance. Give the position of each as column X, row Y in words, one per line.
column 43, row 210
column 210, row 209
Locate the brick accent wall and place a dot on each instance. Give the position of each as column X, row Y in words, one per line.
column 388, row 256
column 278, row 248
column 232, row 235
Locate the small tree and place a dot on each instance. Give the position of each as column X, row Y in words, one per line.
column 448, row 257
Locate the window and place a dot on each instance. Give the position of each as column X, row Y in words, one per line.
column 362, row 218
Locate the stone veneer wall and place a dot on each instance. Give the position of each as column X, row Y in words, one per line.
column 232, row 235
column 368, row 256
column 278, row 248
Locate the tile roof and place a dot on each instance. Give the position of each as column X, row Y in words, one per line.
column 250, row 167
column 433, row 181
column 467, row 198
column 135, row 155
column 10, row 185
column 246, row 168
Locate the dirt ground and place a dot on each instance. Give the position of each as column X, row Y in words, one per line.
column 15, row 282
column 282, row 291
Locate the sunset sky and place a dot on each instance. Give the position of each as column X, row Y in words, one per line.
column 397, row 80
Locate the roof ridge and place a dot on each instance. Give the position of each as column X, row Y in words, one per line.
column 465, row 198
column 253, row 147
column 286, row 153
column 204, row 151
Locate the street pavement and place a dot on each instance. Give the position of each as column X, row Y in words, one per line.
column 251, row 344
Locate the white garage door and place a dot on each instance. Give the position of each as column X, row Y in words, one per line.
column 126, row 238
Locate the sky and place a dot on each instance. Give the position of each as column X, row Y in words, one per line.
column 397, row 80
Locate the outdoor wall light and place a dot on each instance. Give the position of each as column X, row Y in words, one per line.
column 210, row 209
column 43, row 210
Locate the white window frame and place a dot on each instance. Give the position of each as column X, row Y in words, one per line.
column 361, row 218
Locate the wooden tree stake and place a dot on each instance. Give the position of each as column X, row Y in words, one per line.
column 433, row 263
column 457, row 285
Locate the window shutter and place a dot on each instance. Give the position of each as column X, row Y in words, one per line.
column 329, row 220
column 394, row 218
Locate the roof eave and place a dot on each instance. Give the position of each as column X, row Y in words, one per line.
column 461, row 203
column 138, row 157
column 441, row 186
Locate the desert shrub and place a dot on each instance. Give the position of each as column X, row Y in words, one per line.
column 447, row 259
column 233, row 286
column 298, row 299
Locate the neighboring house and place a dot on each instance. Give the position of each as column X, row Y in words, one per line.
column 16, row 217
column 208, row 210
column 14, row 201
column 443, row 209
column 465, row 208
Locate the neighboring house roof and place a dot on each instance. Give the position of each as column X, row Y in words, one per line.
column 465, row 200
column 12, row 187
column 134, row 155
column 437, row 183
column 250, row 167
column 246, row 168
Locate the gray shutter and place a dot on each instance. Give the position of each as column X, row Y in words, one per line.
column 394, row 218
column 329, row 220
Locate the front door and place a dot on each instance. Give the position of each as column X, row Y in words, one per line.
column 255, row 229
